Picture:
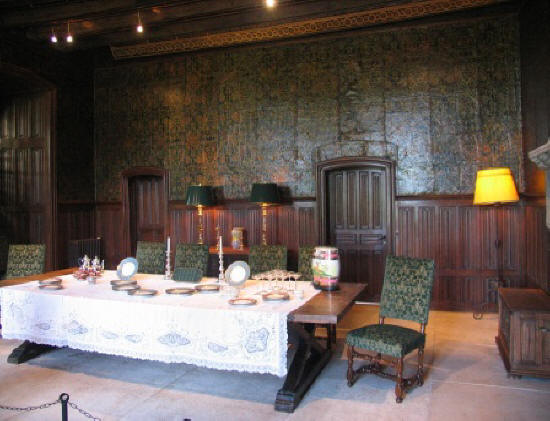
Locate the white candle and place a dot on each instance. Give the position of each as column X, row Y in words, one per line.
column 221, row 244
column 168, row 244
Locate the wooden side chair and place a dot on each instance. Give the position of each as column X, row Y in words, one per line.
column 192, row 256
column 25, row 259
column 265, row 258
column 151, row 257
column 406, row 295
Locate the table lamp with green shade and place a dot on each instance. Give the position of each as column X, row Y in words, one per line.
column 495, row 186
column 200, row 196
column 265, row 194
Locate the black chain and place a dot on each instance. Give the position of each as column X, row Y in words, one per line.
column 85, row 413
column 30, row 408
column 47, row 405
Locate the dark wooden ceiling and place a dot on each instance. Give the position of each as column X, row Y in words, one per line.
column 97, row 23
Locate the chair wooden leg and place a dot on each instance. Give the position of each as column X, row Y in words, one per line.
column 350, row 366
column 399, row 381
column 420, row 372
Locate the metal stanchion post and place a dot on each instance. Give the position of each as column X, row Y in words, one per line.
column 64, row 398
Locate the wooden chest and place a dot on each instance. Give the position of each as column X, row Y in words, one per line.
column 524, row 331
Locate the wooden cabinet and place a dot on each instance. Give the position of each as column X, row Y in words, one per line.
column 524, row 331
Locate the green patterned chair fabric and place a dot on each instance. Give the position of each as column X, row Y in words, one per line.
column 407, row 290
column 151, row 257
column 25, row 259
column 192, row 256
column 305, row 254
column 4, row 246
column 387, row 339
column 265, row 258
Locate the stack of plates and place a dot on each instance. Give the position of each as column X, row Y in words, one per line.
column 50, row 284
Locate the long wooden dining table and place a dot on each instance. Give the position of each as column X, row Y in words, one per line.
column 310, row 357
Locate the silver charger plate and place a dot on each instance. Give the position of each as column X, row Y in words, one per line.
column 237, row 273
column 125, row 287
column 207, row 288
column 180, row 291
column 50, row 287
column 275, row 296
column 242, row 302
column 143, row 292
column 118, row 282
column 53, row 281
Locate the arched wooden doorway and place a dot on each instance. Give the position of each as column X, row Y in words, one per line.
column 144, row 206
column 355, row 208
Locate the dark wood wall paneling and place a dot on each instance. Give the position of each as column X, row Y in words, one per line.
column 25, row 168
column 460, row 238
column 75, row 221
column 457, row 235
column 535, row 108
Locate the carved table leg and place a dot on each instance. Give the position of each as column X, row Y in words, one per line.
column 309, row 360
column 27, row 351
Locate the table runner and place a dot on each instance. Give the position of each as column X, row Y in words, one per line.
column 202, row 329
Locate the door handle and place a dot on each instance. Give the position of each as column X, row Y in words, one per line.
column 544, row 329
column 382, row 237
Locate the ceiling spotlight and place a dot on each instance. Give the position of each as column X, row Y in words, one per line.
column 139, row 27
column 53, row 37
column 69, row 37
column 270, row 3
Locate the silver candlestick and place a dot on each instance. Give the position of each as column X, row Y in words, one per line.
column 167, row 272
column 221, row 278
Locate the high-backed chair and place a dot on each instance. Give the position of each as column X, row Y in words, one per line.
column 25, row 259
column 406, row 295
column 151, row 257
column 4, row 246
column 265, row 258
column 305, row 255
column 192, row 256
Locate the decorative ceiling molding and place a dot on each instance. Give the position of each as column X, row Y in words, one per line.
column 298, row 29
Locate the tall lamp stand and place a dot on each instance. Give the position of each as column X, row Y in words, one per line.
column 494, row 186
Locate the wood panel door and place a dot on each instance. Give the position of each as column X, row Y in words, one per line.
column 146, row 197
column 144, row 206
column 358, row 224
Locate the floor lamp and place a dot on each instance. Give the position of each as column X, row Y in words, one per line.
column 200, row 196
column 495, row 186
column 265, row 194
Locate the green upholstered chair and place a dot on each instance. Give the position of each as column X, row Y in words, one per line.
column 151, row 257
column 192, row 256
column 305, row 254
column 406, row 295
column 4, row 246
column 25, row 259
column 264, row 258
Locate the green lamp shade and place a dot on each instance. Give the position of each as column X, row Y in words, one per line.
column 200, row 196
column 265, row 193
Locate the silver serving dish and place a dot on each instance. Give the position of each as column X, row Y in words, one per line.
column 143, row 292
column 242, row 302
column 180, row 291
column 126, row 287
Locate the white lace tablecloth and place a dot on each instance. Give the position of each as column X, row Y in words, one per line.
column 201, row 329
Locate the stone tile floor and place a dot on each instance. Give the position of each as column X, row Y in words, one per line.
column 465, row 380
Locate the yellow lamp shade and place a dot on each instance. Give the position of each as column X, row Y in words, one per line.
column 495, row 185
